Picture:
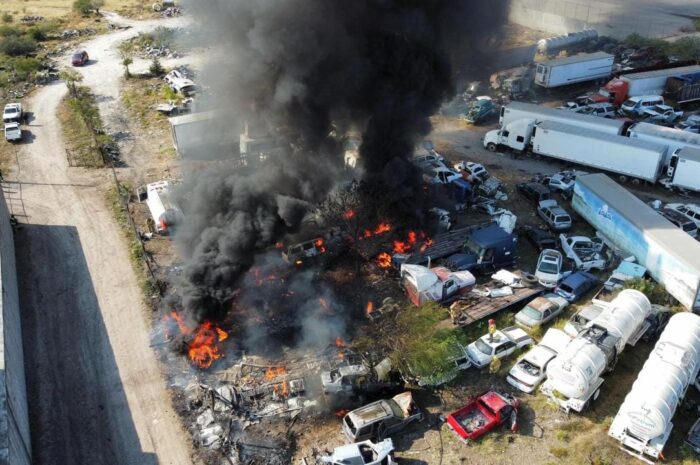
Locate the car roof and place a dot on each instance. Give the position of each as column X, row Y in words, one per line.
column 674, row 215
column 557, row 210
column 578, row 278
column 540, row 304
column 536, row 186
column 370, row 412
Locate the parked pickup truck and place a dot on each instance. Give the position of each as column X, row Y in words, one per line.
column 503, row 343
column 483, row 414
column 423, row 284
column 12, row 113
column 530, row 370
column 362, row 453
column 360, row 378
column 586, row 253
column 381, row 419
column 13, row 132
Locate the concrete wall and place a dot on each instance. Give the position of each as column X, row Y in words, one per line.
column 613, row 18
column 15, row 445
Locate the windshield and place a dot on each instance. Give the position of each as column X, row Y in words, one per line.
column 77, row 55
column 531, row 313
column 548, row 267
column 529, row 368
column 629, row 103
column 563, row 219
column 473, row 247
column 483, row 347
column 350, row 424
column 566, row 288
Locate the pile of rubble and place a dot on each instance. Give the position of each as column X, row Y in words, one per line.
column 70, row 33
column 171, row 11
column 160, row 52
column 31, row 20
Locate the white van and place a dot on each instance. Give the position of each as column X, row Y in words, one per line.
column 637, row 105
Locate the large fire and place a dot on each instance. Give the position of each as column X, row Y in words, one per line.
column 203, row 348
column 384, row 260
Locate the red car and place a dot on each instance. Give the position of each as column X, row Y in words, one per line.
column 483, row 414
column 80, row 58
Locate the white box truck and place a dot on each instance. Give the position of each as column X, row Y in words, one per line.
column 570, row 70
column 517, row 121
column 672, row 138
column 643, row 423
column 574, row 377
column 618, row 154
column 670, row 255
column 684, row 169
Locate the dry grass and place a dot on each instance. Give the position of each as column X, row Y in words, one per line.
column 140, row 96
column 78, row 138
column 58, row 8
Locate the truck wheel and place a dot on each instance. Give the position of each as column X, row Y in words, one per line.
column 636, row 182
column 491, row 147
column 623, row 179
column 528, row 278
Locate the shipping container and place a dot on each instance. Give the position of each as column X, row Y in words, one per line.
column 609, row 152
column 520, row 110
column 670, row 255
column 570, row 70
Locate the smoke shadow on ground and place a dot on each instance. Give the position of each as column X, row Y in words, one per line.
column 78, row 410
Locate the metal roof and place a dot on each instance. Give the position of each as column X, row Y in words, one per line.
column 591, row 134
column 655, row 226
column 581, row 57
column 662, row 72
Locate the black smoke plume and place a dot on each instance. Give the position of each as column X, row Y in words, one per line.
column 311, row 71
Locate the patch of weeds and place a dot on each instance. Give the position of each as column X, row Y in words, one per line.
column 559, row 452
column 81, row 124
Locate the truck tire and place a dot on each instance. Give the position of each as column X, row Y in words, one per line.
column 491, row 147
column 528, row 278
column 623, row 178
column 636, row 182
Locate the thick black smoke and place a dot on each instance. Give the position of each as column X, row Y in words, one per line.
column 312, row 70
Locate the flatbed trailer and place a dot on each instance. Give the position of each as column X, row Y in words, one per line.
column 473, row 307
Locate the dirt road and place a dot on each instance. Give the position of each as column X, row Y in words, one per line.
column 96, row 393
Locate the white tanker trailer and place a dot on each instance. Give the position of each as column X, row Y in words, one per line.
column 574, row 376
column 643, row 423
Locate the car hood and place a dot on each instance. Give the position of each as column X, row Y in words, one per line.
column 521, row 375
column 476, row 355
column 461, row 262
column 526, row 320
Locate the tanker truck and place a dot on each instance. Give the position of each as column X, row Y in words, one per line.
column 574, row 376
column 643, row 423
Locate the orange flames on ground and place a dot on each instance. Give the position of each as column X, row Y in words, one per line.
column 203, row 346
column 384, row 260
column 370, row 308
column 380, row 229
column 339, row 342
column 271, row 374
column 349, row 214
column 341, row 413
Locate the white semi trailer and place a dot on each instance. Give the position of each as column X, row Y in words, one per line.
column 684, row 169
column 570, row 70
column 574, row 376
column 609, row 152
column 672, row 138
column 643, row 423
column 518, row 120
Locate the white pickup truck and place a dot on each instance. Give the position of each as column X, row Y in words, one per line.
column 13, row 132
column 12, row 113
column 586, row 253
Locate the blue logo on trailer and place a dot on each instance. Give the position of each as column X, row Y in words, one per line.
column 604, row 212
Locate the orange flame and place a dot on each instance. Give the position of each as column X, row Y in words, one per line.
column 339, row 342
column 274, row 372
column 341, row 413
column 382, row 228
column 411, row 237
column 401, row 247
column 279, row 245
column 320, row 245
column 428, row 242
column 384, row 260
column 203, row 349
column 370, row 308
column 349, row 214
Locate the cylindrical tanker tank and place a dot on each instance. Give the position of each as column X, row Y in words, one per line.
column 576, row 372
column 624, row 315
column 643, row 422
column 553, row 44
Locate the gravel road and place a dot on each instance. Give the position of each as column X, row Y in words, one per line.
column 96, row 392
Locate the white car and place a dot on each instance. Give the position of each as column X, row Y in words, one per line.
column 439, row 174
column 503, row 343
column 541, row 310
column 530, row 370
column 661, row 114
column 13, row 132
column 604, row 110
column 548, row 271
column 427, row 155
column 585, row 252
column 474, row 169
column 580, row 319
column 362, row 453
column 689, row 210
column 12, row 113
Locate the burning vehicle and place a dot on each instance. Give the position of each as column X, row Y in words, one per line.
column 437, row 284
column 361, row 378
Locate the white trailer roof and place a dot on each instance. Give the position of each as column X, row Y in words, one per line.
column 592, row 134
column 689, row 153
column 662, row 72
column 684, row 248
column 678, row 135
column 569, row 115
column 580, row 58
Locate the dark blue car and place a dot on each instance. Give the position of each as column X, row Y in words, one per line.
column 574, row 286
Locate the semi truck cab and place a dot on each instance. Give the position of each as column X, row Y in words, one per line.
column 515, row 135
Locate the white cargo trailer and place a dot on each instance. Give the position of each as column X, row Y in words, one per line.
column 684, row 169
column 670, row 255
column 643, row 423
column 633, row 158
column 165, row 213
column 570, row 70
column 574, row 377
column 538, row 113
column 672, row 138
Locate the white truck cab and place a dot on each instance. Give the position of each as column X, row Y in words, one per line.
column 13, row 132
column 515, row 135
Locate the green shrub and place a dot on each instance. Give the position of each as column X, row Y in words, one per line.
column 24, row 67
column 7, row 18
column 156, row 69
column 17, row 46
column 9, row 31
